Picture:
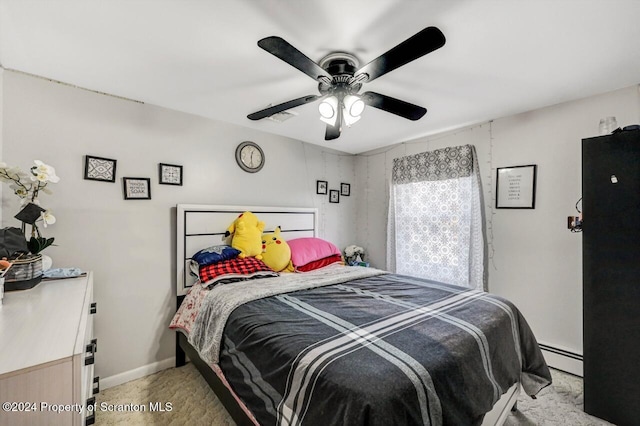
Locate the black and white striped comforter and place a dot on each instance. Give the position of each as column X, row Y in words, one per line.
column 381, row 350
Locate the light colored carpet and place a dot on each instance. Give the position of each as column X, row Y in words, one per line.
column 193, row 403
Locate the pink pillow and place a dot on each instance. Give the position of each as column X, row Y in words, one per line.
column 305, row 250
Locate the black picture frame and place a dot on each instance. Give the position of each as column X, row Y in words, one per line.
column 136, row 188
column 169, row 174
column 345, row 189
column 322, row 187
column 100, row 169
column 516, row 187
column 334, row 196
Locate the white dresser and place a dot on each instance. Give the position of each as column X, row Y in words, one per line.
column 47, row 354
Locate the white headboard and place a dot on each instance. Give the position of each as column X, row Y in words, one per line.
column 202, row 225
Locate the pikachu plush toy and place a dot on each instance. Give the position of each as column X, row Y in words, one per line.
column 247, row 235
column 276, row 253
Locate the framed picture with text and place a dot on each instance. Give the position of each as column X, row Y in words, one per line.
column 137, row 188
column 345, row 189
column 516, row 187
column 170, row 174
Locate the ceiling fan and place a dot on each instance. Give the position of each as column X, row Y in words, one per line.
column 339, row 80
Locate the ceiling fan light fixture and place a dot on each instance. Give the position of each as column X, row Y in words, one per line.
column 353, row 106
column 328, row 109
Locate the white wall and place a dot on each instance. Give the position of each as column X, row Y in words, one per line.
column 535, row 261
column 130, row 244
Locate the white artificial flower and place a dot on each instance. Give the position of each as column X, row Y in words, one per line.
column 44, row 173
column 41, row 167
column 53, row 178
column 47, row 218
column 40, row 177
column 20, row 191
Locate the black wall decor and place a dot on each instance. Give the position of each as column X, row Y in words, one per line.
column 170, row 174
column 321, row 187
column 100, row 169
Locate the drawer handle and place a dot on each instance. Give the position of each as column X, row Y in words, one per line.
column 91, row 349
column 94, row 308
column 91, row 419
column 89, row 360
column 96, row 385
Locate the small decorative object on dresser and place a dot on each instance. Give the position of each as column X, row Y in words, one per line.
column 345, row 189
column 100, row 169
column 321, row 187
column 137, row 188
column 24, row 251
column 170, row 174
column 334, row 196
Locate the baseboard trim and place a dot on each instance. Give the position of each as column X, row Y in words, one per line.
column 562, row 359
column 136, row 373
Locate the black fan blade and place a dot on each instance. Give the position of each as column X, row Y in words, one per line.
column 333, row 132
column 282, row 107
column 420, row 44
column 393, row 105
column 279, row 47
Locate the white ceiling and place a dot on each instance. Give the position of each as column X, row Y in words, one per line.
column 201, row 57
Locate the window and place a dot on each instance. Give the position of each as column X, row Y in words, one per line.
column 435, row 217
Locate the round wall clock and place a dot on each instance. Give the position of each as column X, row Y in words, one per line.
column 250, row 157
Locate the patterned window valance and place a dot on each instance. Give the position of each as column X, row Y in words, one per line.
column 441, row 164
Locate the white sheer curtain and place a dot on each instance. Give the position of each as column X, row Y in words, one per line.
column 436, row 218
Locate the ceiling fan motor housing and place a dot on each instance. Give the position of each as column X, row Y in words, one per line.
column 342, row 67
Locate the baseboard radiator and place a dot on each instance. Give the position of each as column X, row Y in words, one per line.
column 562, row 359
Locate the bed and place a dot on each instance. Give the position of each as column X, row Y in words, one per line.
column 347, row 345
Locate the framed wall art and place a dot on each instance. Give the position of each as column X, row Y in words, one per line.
column 345, row 189
column 136, row 188
column 516, row 187
column 321, row 187
column 170, row 174
column 100, row 169
column 334, row 196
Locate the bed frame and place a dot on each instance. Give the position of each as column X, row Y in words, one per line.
column 200, row 226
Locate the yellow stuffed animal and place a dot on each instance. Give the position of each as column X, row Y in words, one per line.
column 247, row 235
column 276, row 253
